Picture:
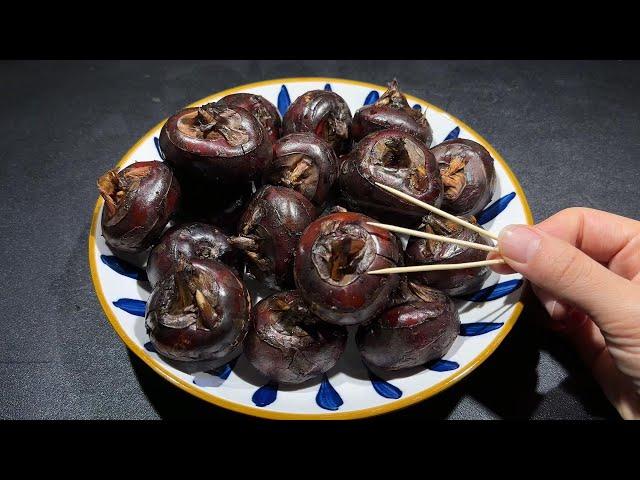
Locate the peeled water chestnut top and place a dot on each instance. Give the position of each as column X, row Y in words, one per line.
column 200, row 311
column 468, row 175
column 331, row 261
column 396, row 159
column 289, row 344
column 139, row 201
column 217, row 143
column 305, row 163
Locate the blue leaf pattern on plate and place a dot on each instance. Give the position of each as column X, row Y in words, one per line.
column 283, row 100
column 493, row 292
column 327, row 87
column 371, row 98
column 129, row 305
column 124, row 268
column 327, row 396
column 417, row 107
column 149, row 347
column 442, row 365
column 156, row 141
column 216, row 376
column 224, row 371
column 384, row 389
column 452, row 134
column 478, row 328
column 265, row 395
column 494, row 209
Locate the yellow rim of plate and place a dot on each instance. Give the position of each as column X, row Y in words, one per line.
column 259, row 412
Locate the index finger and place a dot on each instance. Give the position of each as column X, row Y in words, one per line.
column 601, row 235
column 607, row 238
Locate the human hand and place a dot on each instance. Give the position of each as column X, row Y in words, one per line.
column 584, row 266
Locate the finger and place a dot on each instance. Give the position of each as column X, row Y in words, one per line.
column 501, row 268
column 618, row 388
column 590, row 344
column 563, row 318
column 587, row 339
column 557, row 311
column 616, row 385
column 552, row 321
column 626, row 262
column 603, row 236
column 573, row 277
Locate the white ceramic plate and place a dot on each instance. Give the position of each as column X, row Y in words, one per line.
column 349, row 390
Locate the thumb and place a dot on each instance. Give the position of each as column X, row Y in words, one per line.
column 569, row 274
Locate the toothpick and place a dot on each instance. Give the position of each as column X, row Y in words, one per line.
column 437, row 211
column 430, row 268
column 431, row 236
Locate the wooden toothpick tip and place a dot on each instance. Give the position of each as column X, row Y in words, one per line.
column 437, row 211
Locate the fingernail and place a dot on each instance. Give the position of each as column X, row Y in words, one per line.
column 551, row 306
column 518, row 243
column 557, row 313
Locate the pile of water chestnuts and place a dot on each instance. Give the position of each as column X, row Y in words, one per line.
column 245, row 194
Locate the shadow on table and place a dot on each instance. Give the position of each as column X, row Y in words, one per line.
column 505, row 384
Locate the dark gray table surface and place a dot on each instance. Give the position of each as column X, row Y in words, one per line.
column 569, row 130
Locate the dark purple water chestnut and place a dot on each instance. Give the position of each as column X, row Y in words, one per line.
column 288, row 344
column 186, row 242
column 321, row 112
column 391, row 111
column 220, row 144
column 468, row 175
column 395, row 159
column 421, row 251
column 139, row 201
column 261, row 108
column 269, row 230
column 331, row 264
column 419, row 326
column 304, row 162
column 198, row 312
